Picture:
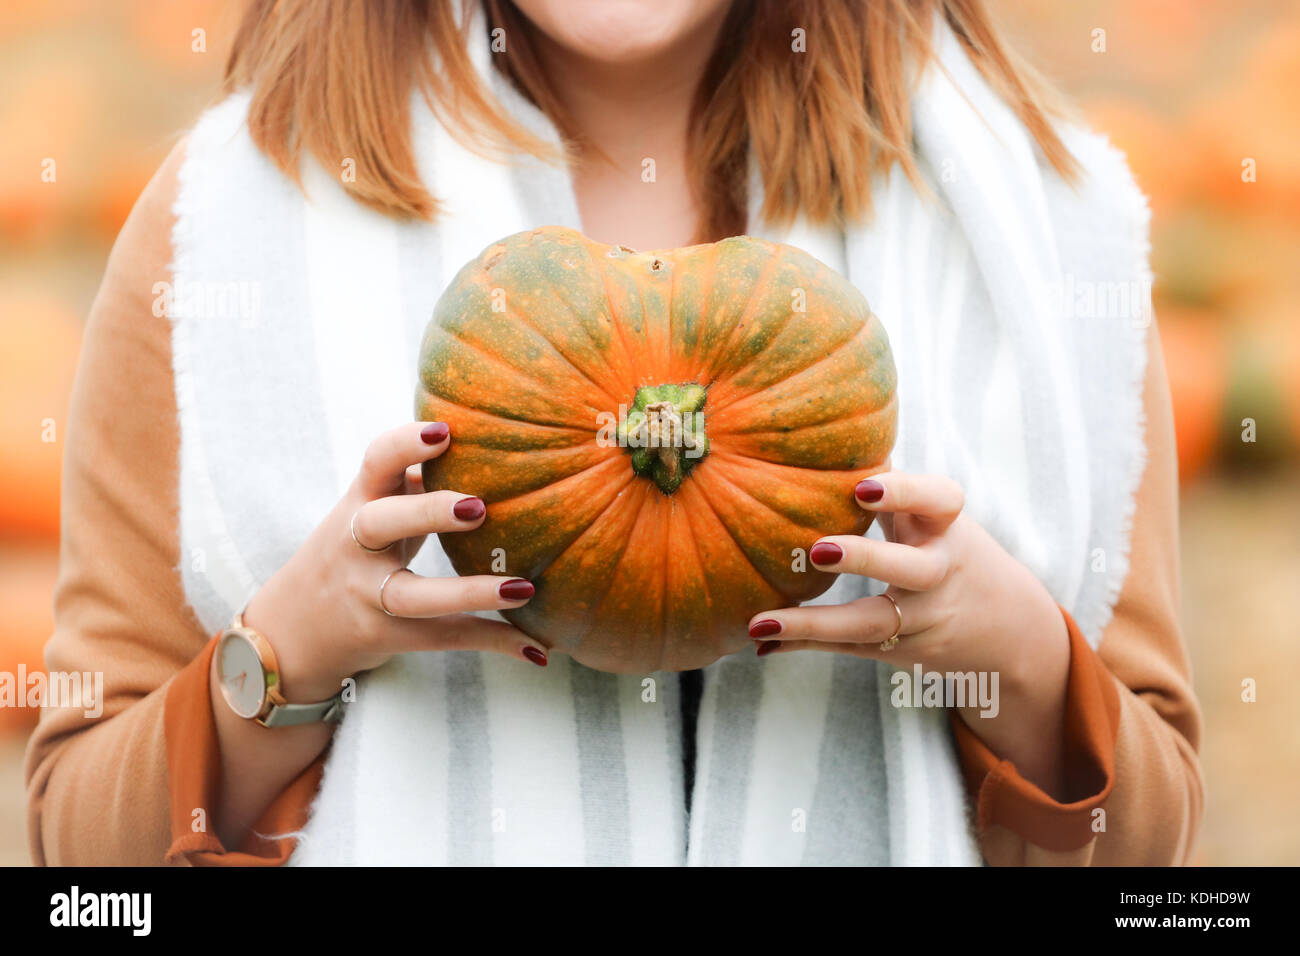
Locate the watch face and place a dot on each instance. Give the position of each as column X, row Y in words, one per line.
column 240, row 670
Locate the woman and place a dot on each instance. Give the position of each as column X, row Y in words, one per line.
column 266, row 299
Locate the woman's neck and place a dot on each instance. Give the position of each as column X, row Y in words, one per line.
column 632, row 120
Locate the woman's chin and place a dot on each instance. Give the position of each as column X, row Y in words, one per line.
column 619, row 32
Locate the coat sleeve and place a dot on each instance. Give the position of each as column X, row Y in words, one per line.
column 125, row 786
column 1132, row 725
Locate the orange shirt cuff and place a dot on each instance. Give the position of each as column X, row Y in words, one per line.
column 1004, row 798
column 194, row 776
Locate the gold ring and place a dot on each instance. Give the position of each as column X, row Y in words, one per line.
column 388, row 577
column 888, row 645
column 352, row 526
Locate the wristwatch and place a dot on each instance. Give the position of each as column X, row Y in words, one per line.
column 250, row 682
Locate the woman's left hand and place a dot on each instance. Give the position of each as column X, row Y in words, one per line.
column 965, row 604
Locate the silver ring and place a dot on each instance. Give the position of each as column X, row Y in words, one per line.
column 889, row 643
column 388, row 577
column 352, row 526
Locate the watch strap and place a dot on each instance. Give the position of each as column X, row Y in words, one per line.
column 289, row 715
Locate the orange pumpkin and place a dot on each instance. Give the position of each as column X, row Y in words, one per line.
column 42, row 338
column 659, row 436
column 1196, row 359
column 27, row 576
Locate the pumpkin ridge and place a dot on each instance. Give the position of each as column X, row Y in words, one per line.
column 591, row 526
column 603, row 463
column 618, row 500
column 491, row 475
column 585, row 431
column 652, row 326
column 704, row 523
column 736, row 546
column 754, row 359
column 746, row 463
column 886, row 414
column 695, row 516
column 696, row 368
column 829, row 353
column 530, row 557
column 751, row 304
column 638, row 281
column 618, row 375
column 511, row 313
column 692, row 522
column 744, row 553
column 665, row 595
column 497, row 360
column 699, row 559
column 613, row 572
column 577, row 243
column 763, row 428
column 718, row 476
column 615, row 321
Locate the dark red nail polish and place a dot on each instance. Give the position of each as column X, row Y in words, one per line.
column 434, row 432
column 764, row 628
column 767, row 647
column 469, row 509
column 824, row 552
column 869, row 491
column 536, row 656
column 517, row 590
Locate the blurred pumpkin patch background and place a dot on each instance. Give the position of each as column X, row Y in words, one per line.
column 1203, row 96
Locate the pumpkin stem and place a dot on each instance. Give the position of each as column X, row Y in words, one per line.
column 665, row 433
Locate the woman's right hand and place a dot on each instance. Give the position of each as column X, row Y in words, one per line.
column 321, row 612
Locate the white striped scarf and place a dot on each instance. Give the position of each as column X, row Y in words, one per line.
column 466, row 758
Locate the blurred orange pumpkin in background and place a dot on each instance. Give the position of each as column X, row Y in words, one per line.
column 1197, row 359
column 1144, row 135
column 42, row 340
column 27, row 576
column 1254, row 115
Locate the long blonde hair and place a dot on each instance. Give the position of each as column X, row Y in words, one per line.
column 337, row 78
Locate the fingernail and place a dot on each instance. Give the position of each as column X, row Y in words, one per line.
column 517, row 590
column 765, row 628
column 824, row 552
column 434, row 432
column 767, row 647
column 869, row 491
column 469, row 509
column 536, row 656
